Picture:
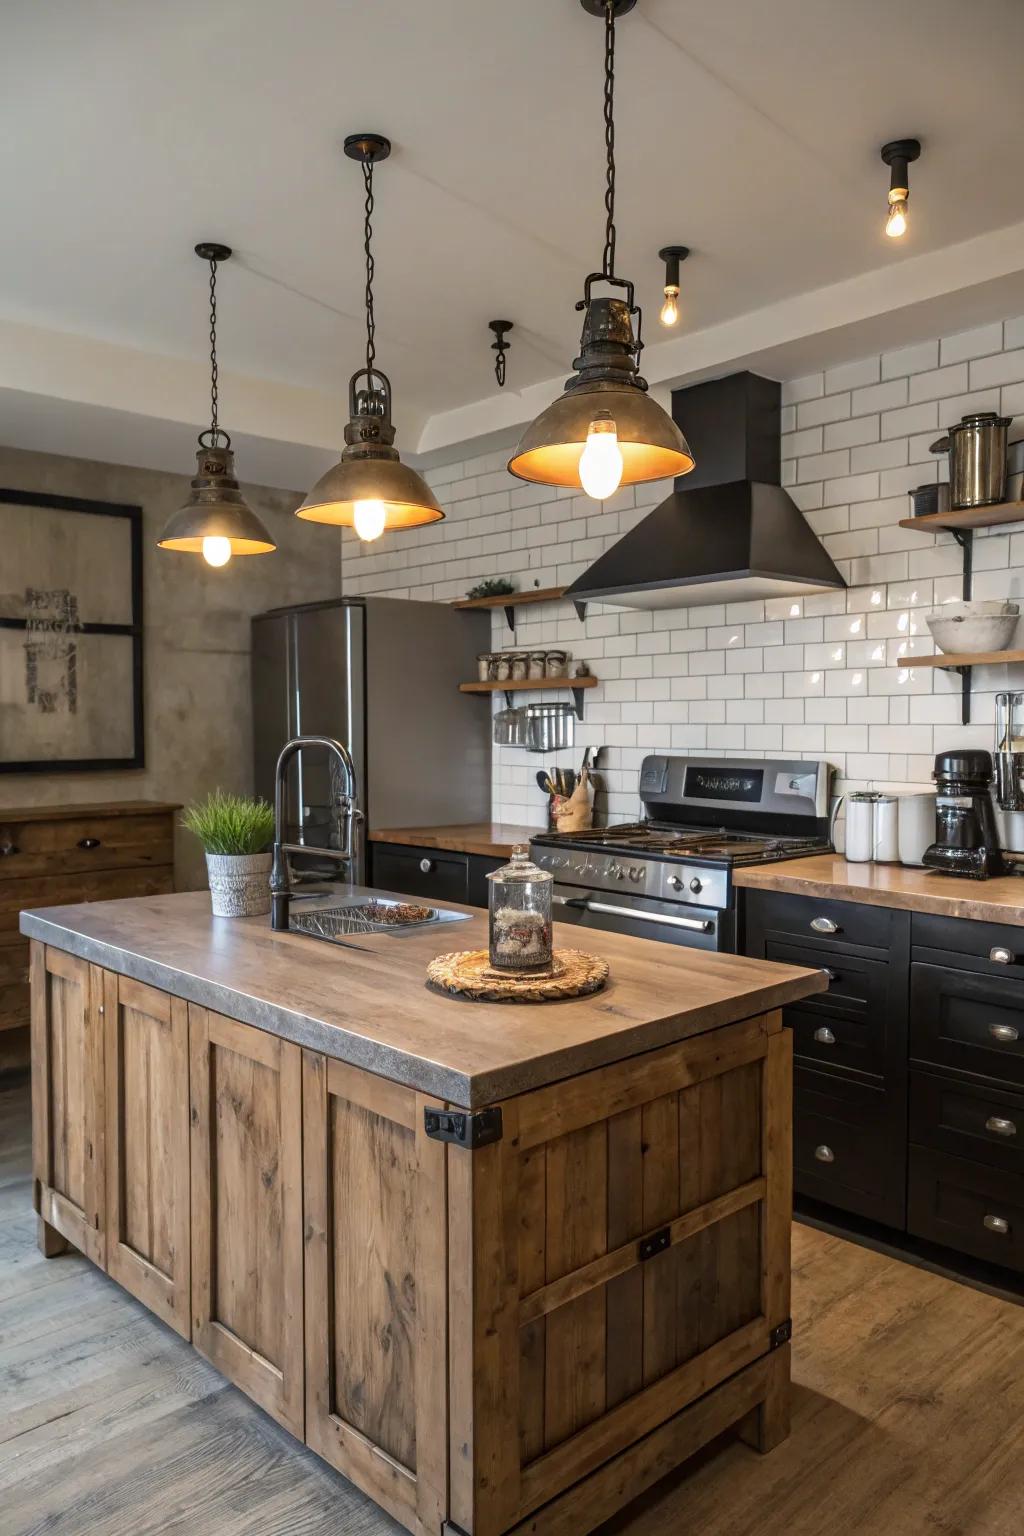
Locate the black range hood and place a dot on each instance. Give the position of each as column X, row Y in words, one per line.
column 729, row 531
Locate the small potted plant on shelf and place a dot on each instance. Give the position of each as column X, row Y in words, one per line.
column 236, row 833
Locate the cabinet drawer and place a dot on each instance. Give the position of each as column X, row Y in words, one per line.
column 959, row 1117
column 824, row 921
column 967, row 1206
column 838, row 1040
column 847, row 1145
column 967, row 1020
column 996, row 948
column 64, row 890
column 32, row 848
column 856, row 987
column 420, row 872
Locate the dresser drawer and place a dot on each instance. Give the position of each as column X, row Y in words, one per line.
column 969, row 1021
column 822, row 921
column 29, row 849
column 848, row 1145
column 994, row 948
column 838, row 1040
column 65, row 890
column 966, row 1120
column 966, row 1206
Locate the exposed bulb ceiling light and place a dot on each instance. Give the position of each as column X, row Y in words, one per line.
column 672, row 255
column 606, row 387
column 897, row 155
column 215, row 521
column 370, row 489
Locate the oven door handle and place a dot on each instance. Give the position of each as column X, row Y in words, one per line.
column 695, row 924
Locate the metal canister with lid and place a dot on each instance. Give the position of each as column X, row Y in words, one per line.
column 977, row 459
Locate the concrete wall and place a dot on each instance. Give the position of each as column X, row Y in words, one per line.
column 197, row 691
column 830, row 675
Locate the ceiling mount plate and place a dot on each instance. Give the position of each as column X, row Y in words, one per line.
column 599, row 7
column 676, row 252
column 212, row 250
column 367, row 148
column 901, row 149
column 497, row 326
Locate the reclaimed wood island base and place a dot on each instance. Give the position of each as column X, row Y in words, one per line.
column 502, row 1267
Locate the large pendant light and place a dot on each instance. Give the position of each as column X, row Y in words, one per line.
column 604, row 430
column 370, row 489
column 215, row 521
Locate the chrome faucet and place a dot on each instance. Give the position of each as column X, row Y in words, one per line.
column 280, row 875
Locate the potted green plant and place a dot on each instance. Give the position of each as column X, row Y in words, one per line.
column 235, row 832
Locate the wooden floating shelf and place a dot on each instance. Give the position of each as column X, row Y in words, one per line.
column 510, row 601
column 962, row 659
column 968, row 517
column 537, row 685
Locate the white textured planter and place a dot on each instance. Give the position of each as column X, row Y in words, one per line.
column 239, row 883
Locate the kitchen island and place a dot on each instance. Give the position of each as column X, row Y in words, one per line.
column 502, row 1266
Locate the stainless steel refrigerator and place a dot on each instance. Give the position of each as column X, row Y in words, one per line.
column 382, row 675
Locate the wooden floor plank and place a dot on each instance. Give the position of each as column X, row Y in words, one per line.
column 908, row 1412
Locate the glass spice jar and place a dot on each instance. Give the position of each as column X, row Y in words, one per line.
column 520, row 916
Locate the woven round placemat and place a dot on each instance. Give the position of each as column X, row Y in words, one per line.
column 468, row 973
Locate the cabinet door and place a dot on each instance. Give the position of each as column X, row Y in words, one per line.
column 67, row 1097
column 247, row 1210
column 375, row 1289
column 147, row 1147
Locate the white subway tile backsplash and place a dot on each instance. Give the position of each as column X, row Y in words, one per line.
column 827, row 673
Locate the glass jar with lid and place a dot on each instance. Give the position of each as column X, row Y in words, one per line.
column 520, row 916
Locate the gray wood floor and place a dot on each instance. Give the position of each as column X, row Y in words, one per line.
column 908, row 1412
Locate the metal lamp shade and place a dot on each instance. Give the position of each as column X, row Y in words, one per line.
column 408, row 500
column 216, row 509
column 652, row 446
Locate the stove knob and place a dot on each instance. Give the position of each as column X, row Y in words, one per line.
column 619, row 872
column 635, row 873
column 675, row 882
column 696, row 885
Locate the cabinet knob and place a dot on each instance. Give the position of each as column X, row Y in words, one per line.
column 1001, row 955
column 426, row 865
column 1004, row 1033
column 830, row 973
column 999, row 1126
column 824, row 925
column 824, row 1036
column 88, row 842
column 997, row 1224
column 824, row 1154
column 7, row 848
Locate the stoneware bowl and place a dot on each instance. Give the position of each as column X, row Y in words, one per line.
column 239, row 884
column 971, row 628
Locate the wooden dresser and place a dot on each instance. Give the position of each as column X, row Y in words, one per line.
column 57, row 854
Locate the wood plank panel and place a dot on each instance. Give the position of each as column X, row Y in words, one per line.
column 532, row 1271
column 660, row 1204
column 147, row 1124
column 247, row 1212
column 577, row 1232
column 625, row 1306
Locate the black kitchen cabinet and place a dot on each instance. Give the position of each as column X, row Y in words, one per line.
column 436, row 874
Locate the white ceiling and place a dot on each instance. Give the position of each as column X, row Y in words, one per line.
column 747, row 130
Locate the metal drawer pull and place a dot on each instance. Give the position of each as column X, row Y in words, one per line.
column 1004, row 1033
column 824, row 1036
column 1000, row 1126
column 824, row 925
column 824, row 1154
column 426, row 865
column 830, row 973
column 997, row 1224
column 1002, row 956
column 88, row 842
column 7, row 847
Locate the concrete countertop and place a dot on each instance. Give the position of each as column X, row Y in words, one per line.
column 370, row 1004
column 494, row 839
column 1000, row 900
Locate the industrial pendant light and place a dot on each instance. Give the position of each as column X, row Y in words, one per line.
column 604, row 430
column 215, row 521
column 370, row 489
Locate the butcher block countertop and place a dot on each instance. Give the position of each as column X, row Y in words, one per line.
column 1000, row 900
column 494, row 839
column 370, row 1005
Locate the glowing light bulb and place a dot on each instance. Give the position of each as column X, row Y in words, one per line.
column 216, row 550
column 670, row 309
column 601, row 459
column 896, row 224
column 368, row 519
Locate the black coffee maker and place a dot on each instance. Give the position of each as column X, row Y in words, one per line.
column 965, row 826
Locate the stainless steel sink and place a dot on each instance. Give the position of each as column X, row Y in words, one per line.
column 365, row 914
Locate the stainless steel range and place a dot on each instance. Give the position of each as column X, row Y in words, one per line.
column 669, row 876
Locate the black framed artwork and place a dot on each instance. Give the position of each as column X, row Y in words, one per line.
column 70, row 634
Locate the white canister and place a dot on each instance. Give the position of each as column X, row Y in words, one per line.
column 885, row 838
column 917, row 826
column 872, row 828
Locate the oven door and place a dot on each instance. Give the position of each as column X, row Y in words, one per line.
column 673, row 922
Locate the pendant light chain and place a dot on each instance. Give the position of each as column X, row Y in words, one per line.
column 371, row 326
column 214, row 429
column 609, row 136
